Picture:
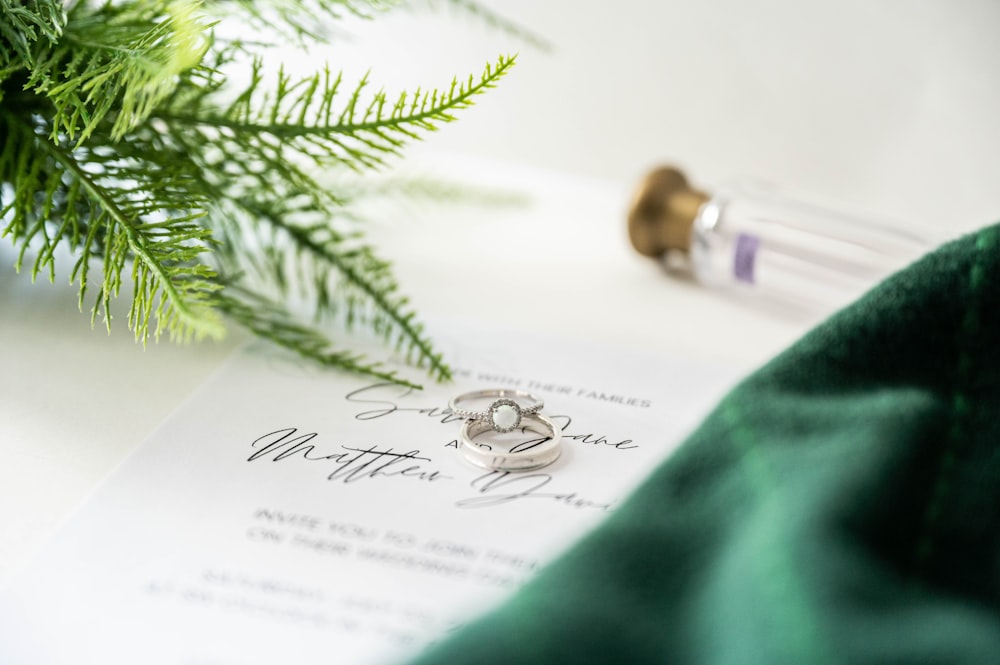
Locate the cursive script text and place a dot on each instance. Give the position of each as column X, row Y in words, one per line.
column 351, row 464
column 499, row 487
column 376, row 395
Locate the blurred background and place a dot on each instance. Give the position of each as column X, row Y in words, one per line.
column 887, row 106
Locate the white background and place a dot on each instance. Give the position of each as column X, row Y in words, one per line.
column 886, row 106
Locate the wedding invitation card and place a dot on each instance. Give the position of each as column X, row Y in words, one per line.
column 291, row 514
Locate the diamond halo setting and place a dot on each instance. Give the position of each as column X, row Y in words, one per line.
column 504, row 415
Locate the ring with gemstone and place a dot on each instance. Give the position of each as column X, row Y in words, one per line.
column 504, row 414
column 519, row 454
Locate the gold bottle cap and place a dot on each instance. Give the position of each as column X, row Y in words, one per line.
column 663, row 212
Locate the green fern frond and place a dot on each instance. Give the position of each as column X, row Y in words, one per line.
column 303, row 114
column 270, row 320
column 264, row 199
column 117, row 147
column 123, row 59
column 263, row 191
column 115, row 209
column 23, row 23
column 31, row 174
column 330, row 271
column 369, row 290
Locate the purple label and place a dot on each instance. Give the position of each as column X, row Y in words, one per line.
column 745, row 257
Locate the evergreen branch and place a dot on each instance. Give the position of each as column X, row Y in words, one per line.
column 28, row 171
column 120, row 59
column 124, row 211
column 307, row 256
column 270, row 320
column 276, row 224
column 116, row 147
column 370, row 277
column 302, row 114
column 22, row 24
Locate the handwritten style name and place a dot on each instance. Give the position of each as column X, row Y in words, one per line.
column 376, row 394
column 499, row 487
column 351, row 464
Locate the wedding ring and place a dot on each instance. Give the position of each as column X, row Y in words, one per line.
column 519, row 455
column 504, row 414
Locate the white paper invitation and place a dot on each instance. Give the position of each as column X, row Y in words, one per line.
column 289, row 514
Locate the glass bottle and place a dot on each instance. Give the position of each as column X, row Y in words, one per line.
column 750, row 238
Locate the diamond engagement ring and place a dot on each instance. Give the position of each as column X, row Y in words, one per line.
column 504, row 414
column 512, row 453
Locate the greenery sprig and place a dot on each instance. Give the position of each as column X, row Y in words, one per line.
column 123, row 142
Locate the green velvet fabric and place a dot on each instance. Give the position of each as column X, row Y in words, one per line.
column 841, row 505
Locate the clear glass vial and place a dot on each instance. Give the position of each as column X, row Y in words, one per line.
column 751, row 239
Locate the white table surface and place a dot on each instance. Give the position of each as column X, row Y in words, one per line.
column 887, row 106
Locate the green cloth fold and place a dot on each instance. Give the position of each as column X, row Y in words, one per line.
column 841, row 505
